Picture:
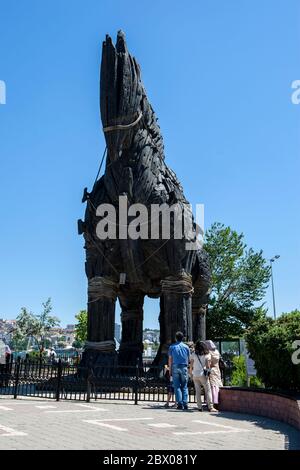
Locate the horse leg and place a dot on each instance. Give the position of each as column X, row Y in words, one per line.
column 100, row 344
column 199, row 318
column 131, row 347
column 176, row 315
column 161, row 357
column 201, row 283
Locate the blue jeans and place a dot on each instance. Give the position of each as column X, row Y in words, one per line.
column 180, row 382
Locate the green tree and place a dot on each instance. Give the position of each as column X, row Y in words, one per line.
column 77, row 344
column 18, row 341
column 46, row 321
column 240, row 277
column 271, row 345
column 29, row 325
column 81, row 326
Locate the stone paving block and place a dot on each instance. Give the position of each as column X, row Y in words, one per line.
column 61, row 430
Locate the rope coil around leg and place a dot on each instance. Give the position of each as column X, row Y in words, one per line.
column 99, row 287
column 181, row 284
column 105, row 346
column 131, row 314
column 131, row 346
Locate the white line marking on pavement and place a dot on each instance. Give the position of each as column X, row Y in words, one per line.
column 213, row 424
column 217, row 425
column 105, row 422
column 25, row 402
column 74, row 411
column 91, row 407
column 44, row 407
column 11, row 432
column 117, row 419
column 162, row 425
column 106, row 425
column 191, row 433
column 5, row 408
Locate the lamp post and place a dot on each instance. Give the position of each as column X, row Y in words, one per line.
column 273, row 293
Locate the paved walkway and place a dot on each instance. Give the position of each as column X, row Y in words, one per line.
column 44, row 424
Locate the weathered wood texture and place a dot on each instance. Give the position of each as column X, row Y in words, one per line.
column 135, row 167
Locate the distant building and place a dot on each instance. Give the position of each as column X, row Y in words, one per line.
column 55, row 334
column 151, row 335
column 118, row 332
column 70, row 328
column 148, row 352
column 6, row 328
column 62, row 335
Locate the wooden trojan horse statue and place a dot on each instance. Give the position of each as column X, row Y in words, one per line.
column 124, row 267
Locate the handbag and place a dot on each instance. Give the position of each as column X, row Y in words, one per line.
column 222, row 364
column 206, row 371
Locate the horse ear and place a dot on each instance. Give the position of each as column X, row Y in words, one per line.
column 121, row 45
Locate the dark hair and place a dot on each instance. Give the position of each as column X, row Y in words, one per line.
column 201, row 348
column 179, row 336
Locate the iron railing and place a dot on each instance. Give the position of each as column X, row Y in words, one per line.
column 69, row 381
column 59, row 380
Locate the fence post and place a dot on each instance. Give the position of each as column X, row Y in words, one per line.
column 59, row 374
column 136, row 387
column 40, row 364
column 17, row 377
column 88, row 383
column 9, row 363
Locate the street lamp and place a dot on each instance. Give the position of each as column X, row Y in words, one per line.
column 271, row 262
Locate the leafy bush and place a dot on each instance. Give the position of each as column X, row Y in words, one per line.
column 239, row 374
column 270, row 344
column 36, row 355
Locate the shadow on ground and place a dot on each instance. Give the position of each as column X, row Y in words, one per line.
column 291, row 435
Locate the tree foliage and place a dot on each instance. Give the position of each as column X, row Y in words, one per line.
column 271, row 345
column 81, row 326
column 240, row 277
column 77, row 344
column 29, row 325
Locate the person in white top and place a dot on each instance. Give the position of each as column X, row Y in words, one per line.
column 200, row 369
column 215, row 375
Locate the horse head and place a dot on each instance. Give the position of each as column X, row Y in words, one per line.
column 123, row 101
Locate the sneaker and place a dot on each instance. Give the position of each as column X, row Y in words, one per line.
column 200, row 409
column 179, row 407
column 185, row 407
column 213, row 410
column 166, row 405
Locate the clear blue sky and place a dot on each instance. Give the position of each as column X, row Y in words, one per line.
column 219, row 77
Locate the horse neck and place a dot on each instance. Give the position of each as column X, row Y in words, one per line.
column 147, row 142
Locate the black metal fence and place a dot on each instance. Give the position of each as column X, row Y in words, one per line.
column 59, row 380
column 70, row 381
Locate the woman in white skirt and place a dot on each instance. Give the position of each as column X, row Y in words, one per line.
column 199, row 370
column 215, row 373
